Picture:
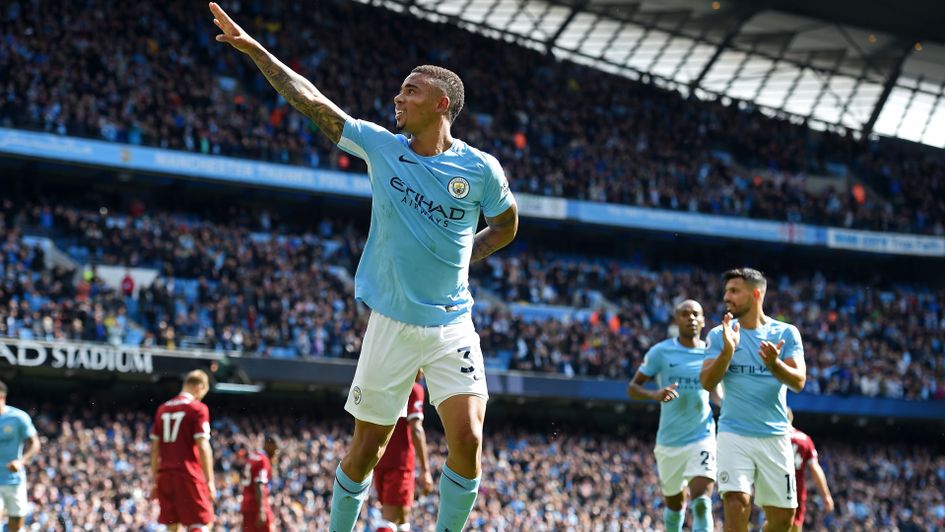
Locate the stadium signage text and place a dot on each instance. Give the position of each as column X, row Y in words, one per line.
column 47, row 146
column 94, row 357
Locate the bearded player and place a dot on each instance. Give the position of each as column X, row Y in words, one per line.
column 756, row 358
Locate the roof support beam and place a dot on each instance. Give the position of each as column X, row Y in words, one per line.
column 888, row 85
column 577, row 8
column 724, row 45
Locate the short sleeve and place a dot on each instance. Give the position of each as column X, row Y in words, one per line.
column 496, row 196
column 360, row 137
column 714, row 343
column 202, row 422
column 262, row 475
column 807, row 451
column 415, row 403
column 793, row 347
column 27, row 430
column 652, row 362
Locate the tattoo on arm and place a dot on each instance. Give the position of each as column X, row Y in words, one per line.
column 302, row 95
column 501, row 231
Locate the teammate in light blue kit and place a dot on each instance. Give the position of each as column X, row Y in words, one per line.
column 428, row 191
column 685, row 442
column 756, row 358
column 18, row 444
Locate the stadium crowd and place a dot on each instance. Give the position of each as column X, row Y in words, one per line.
column 236, row 287
column 92, row 474
column 162, row 81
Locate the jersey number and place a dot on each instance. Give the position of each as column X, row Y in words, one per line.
column 790, row 484
column 705, row 458
column 171, row 424
column 247, row 475
column 798, row 459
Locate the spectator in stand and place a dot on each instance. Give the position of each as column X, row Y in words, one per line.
column 648, row 147
column 569, row 479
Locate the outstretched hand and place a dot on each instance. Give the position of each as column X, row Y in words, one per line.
column 731, row 334
column 232, row 33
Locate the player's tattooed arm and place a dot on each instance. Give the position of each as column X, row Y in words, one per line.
column 501, row 231
column 302, row 95
column 297, row 90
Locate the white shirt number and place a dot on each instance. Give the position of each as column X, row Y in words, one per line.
column 171, row 424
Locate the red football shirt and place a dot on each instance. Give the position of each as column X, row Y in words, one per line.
column 804, row 452
column 400, row 452
column 177, row 426
column 258, row 470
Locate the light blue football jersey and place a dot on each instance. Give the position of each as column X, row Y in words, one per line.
column 15, row 428
column 688, row 418
column 424, row 215
column 755, row 402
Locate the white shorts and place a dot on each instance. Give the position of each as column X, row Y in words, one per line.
column 14, row 499
column 765, row 463
column 678, row 465
column 393, row 351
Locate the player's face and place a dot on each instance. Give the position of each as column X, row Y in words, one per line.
column 739, row 297
column 419, row 104
column 690, row 320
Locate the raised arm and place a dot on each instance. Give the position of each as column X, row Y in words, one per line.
column 501, row 231
column 297, row 90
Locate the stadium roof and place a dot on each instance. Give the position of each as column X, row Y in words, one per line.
column 867, row 66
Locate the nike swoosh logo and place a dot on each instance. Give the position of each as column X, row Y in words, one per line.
column 673, row 365
column 405, row 160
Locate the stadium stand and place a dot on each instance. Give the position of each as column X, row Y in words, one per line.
column 202, row 274
column 561, row 129
column 265, row 293
column 559, row 480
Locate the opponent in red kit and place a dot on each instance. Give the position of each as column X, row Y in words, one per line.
column 805, row 457
column 394, row 473
column 181, row 458
column 256, row 509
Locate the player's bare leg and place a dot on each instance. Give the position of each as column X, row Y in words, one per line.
column 352, row 478
column 737, row 508
column 15, row 523
column 462, row 417
column 672, row 515
column 700, row 499
column 797, row 528
column 173, row 528
column 366, row 448
column 675, row 502
column 394, row 514
column 778, row 519
column 700, row 486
